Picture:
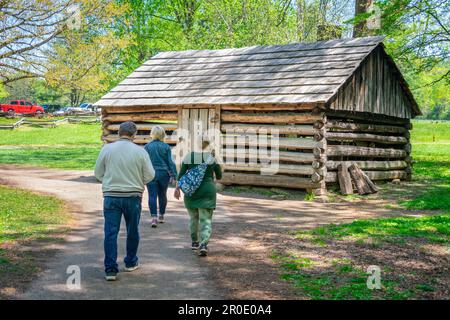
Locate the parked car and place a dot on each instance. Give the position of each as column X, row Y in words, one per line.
column 83, row 108
column 86, row 106
column 21, row 107
column 97, row 110
column 91, row 107
column 61, row 112
column 50, row 108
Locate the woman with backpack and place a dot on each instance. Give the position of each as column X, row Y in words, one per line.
column 196, row 180
column 165, row 170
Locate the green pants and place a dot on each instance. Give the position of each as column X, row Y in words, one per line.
column 200, row 223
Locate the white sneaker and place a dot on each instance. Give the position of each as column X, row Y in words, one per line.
column 111, row 276
column 129, row 269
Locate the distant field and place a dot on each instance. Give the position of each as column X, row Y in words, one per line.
column 64, row 135
column 69, row 146
column 432, row 158
column 7, row 120
column 424, row 131
column 432, row 165
column 4, row 120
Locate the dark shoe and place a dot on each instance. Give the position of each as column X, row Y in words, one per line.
column 195, row 245
column 111, row 276
column 203, row 250
column 161, row 219
column 132, row 268
column 154, row 222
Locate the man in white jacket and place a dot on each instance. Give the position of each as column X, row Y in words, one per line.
column 124, row 169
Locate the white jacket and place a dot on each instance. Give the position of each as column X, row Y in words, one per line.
column 124, row 168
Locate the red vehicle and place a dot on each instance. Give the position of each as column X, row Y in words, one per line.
column 21, row 107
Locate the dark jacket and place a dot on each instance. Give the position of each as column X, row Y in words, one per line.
column 161, row 157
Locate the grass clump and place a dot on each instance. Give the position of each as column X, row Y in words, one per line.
column 26, row 220
column 435, row 229
column 342, row 253
column 28, row 216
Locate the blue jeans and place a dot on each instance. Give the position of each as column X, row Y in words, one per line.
column 113, row 209
column 157, row 192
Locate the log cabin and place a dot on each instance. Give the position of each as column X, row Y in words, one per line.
column 280, row 116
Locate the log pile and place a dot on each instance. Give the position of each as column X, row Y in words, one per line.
column 351, row 176
column 345, row 180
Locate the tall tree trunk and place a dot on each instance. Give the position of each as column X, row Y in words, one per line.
column 74, row 97
column 323, row 11
column 185, row 12
column 361, row 7
column 300, row 20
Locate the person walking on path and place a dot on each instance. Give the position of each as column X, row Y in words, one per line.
column 202, row 203
column 165, row 171
column 124, row 169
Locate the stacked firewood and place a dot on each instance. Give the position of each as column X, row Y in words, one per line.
column 352, row 177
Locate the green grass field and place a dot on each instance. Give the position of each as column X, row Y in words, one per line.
column 64, row 135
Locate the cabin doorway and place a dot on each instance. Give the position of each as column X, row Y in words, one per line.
column 193, row 122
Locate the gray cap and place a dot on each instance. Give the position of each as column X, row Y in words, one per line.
column 127, row 129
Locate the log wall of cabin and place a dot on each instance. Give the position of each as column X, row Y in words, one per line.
column 312, row 142
column 144, row 117
column 380, row 146
column 301, row 146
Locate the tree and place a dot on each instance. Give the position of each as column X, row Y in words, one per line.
column 80, row 66
column 322, row 19
column 3, row 92
column 29, row 27
column 34, row 89
column 418, row 38
column 149, row 27
column 419, row 32
column 238, row 23
column 185, row 12
column 22, row 89
column 362, row 13
column 433, row 99
column 25, row 28
column 81, row 60
column 157, row 25
column 43, row 93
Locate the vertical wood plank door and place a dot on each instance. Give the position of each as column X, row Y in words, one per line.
column 191, row 124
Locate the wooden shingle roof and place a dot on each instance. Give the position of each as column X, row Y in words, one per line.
column 293, row 73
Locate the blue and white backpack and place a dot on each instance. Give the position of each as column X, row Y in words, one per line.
column 192, row 179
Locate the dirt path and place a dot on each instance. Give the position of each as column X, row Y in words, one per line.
column 239, row 265
column 168, row 269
